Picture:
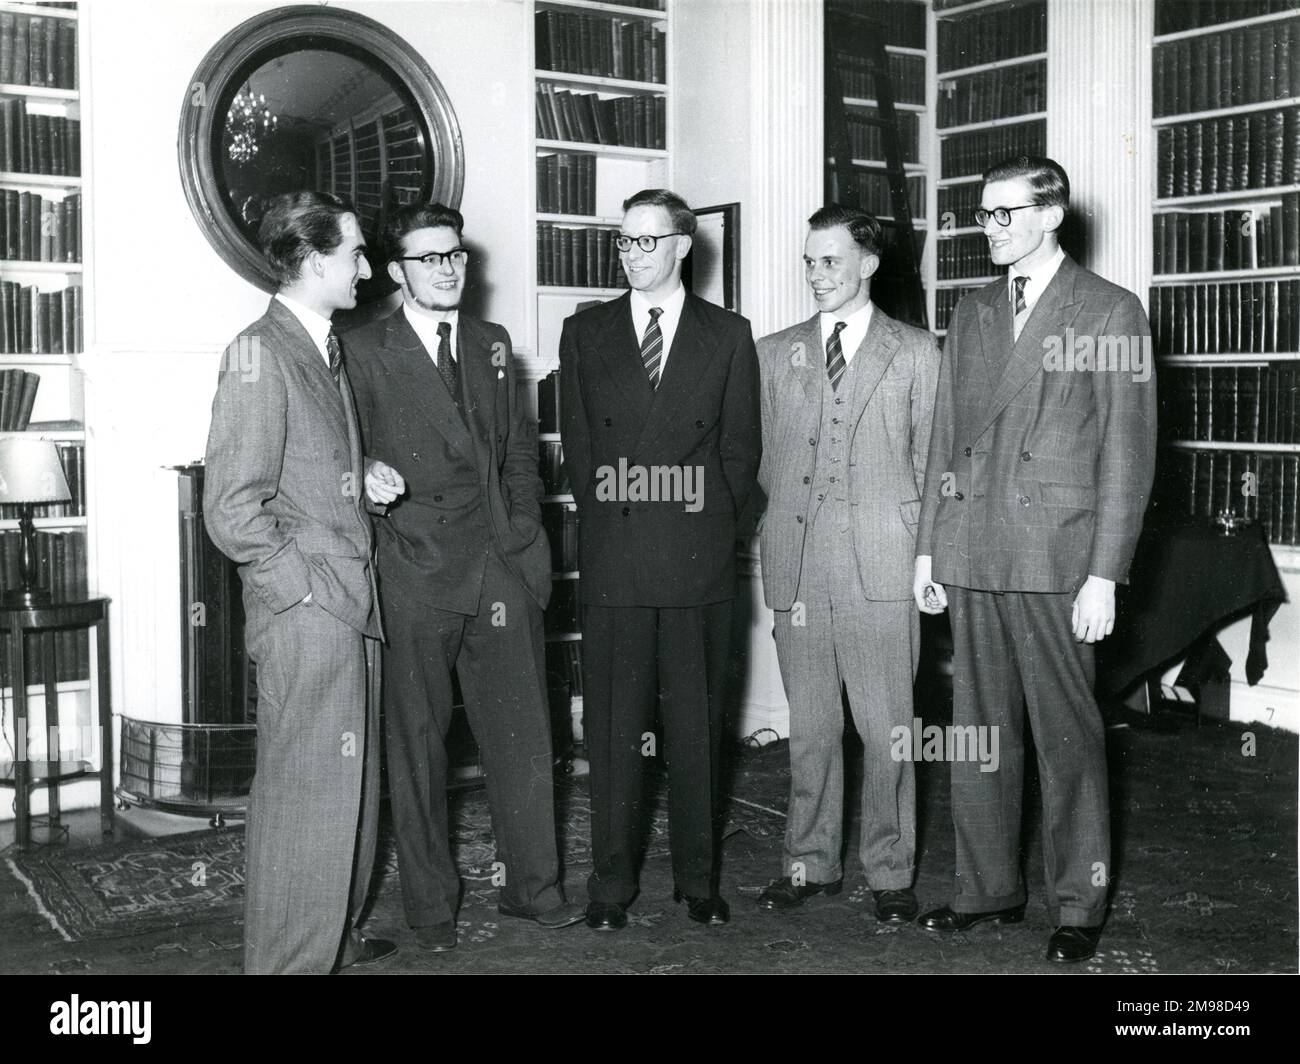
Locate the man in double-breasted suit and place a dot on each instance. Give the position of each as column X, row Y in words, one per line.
column 1040, row 467
column 282, row 497
column 465, row 571
column 659, row 412
column 847, row 399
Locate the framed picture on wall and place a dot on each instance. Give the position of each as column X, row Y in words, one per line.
column 712, row 269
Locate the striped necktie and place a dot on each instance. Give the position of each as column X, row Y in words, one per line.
column 335, row 350
column 446, row 360
column 652, row 348
column 1022, row 308
column 835, row 355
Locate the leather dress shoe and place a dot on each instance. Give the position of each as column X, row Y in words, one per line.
column 946, row 920
column 895, row 906
column 783, row 894
column 566, row 914
column 712, row 910
column 1073, row 944
column 436, row 938
column 606, row 916
column 371, row 951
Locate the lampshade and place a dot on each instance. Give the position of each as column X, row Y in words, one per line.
column 30, row 471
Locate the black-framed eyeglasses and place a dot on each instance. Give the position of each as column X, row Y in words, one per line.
column 1001, row 215
column 458, row 256
column 645, row 243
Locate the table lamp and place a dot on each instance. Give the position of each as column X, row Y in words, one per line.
column 30, row 473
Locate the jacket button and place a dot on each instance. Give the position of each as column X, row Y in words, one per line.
column 958, row 496
column 437, row 498
column 442, row 520
column 626, row 510
column 966, row 452
column 1025, row 456
column 807, row 480
column 415, row 455
column 699, row 424
column 799, row 518
column 1024, row 500
column 336, row 453
column 609, row 421
column 812, row 441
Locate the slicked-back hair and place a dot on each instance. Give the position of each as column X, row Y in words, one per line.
column 1046, row 177
column 864, row 228
column 681, row 216
column 296, row 224
column 413, row 216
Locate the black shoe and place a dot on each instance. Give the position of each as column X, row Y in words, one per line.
column 606, row 916
column 946, row 920
column 783, row 894
column 1073, row 944
column 566, row 914
column 712, row 910
column 895, row 906
column 371, row 951
column 436, row 938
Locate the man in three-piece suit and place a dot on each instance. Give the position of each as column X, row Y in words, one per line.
column 465, row 571
column 659, row 410
column 282, row 497
column 847, row 400
column 1040, row 465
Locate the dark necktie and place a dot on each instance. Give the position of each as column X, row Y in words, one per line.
column 446, row 360
column 835, row 355
column 1020, row 283
column 652, row 348
column 335, row 350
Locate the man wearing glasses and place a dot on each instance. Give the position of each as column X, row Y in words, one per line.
column 465, row 573
column 660, row 420
column 1038, row 476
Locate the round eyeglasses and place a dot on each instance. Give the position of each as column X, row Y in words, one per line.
column 1001, row 215
column 645, row 243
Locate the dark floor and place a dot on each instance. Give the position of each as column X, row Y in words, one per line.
column 1204, row 881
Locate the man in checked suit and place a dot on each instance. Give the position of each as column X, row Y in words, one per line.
column 659, row 411
column 847, row 401
column 282, row 497
column 1040, row 466
column 465, row 571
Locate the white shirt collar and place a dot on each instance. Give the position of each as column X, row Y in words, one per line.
column 1038, row 280
column 671, row 304
column 853, row 333
column 426, row 328
column 318, row 327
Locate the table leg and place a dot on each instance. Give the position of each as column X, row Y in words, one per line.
column 106, row 811
column 53, row 747
column 18, row 677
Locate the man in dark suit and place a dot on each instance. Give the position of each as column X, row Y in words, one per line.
column 1040, row 466
column 838, row 540
column 660, row 421
column 282, row 497
column 466, row 573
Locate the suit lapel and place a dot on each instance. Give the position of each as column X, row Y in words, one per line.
column 478, row 376
column 808, row 363
column 995, row 332
column 871, row 359
column 303, row 350
column 620, row 351
column 409, row 361
column 355, row 459
column 687, row 360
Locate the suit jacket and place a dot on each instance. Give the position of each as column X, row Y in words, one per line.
column 1039, row 476
column 703, row 417
column 284, row 478
column 895, row 370
column 468, row 477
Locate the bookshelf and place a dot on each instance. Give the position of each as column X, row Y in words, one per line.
column 1225, row 286
column 990, row 101
column 602, row 129
column 42, row 278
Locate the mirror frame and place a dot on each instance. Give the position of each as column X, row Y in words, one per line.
column 230, row 56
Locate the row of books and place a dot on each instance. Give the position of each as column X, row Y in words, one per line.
column 36, row 229
column 872, row 187
column 867, row 140
column 1241, row 66
column 33, row 322
column 583, row 117
column 555, row 480
column 562, row 613
column 17, row 397
column 906, row 77
column 38, row 143
column 561, row 523
column 1260, row 485
column 566, row 184
column 36, row 50
column 583, row 257
column 945, row 302
column 61, row 568
column 600, row 46
column 973, row 152
column 1230, row 317
column 992, row 94
column 963, row 256
column 901, row 22
column 1256, row 238
column 958, row 204
column 1231, row 404
column 1256, row 150
column 564, row 660
column 1195, row 14
column 72, row 456
column 990, row 36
